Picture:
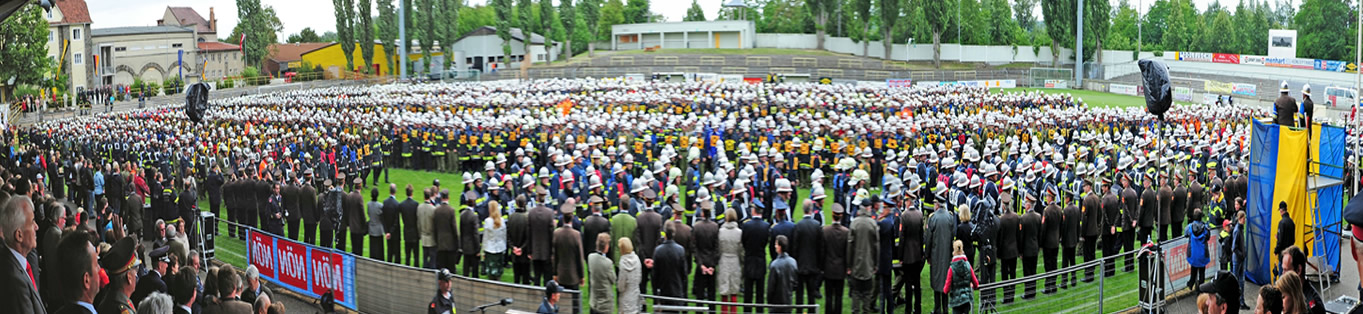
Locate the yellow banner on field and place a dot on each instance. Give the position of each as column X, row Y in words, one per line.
column 1218, row 87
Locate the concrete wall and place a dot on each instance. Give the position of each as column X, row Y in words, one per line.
column 923, row 51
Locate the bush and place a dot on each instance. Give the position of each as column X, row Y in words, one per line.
column 227, row 83
column 173, row 85
column 152, row 89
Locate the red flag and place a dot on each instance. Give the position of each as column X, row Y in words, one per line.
column 241, row 43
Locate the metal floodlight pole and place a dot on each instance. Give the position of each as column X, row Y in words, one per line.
column 402, row 39
column 1079, row 46
column 1139, row 4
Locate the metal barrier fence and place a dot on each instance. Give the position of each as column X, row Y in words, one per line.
column 383, row 287
column 679, row 305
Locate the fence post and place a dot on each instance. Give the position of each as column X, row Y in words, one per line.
column 1102, row 273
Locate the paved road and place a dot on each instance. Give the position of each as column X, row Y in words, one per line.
column 179, row 99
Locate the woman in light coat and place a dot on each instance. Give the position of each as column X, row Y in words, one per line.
column 494, row 242
column 730, row 269
column 627, row 281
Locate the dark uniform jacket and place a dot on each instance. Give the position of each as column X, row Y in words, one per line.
column 1093, row 215
column 117, row 303
column 835, row 251
column 541, row 233
column 705, row 234
column 290, row 194
column 1031, row 234
column 807, row 246
column 440, row 304
column 595, row 224
column 17, row 293
column 518, row 232
column 1286, row 108
column 781, row 281
column 1070, row 229
column 410, row 232
column 1053, row 223
column 755, row 233
column 1112, row 211
column 307, row 204
column 151, row 282
column 1132, row 203
column 1166, row 200
column 446, row 235
column 469, row 241
column 669, row 269
column 353, row 204
column 650, row 225
column 1149, row 209
column 1178, row 209
column 1009, row 229
column 911, row 223
column 568, row 256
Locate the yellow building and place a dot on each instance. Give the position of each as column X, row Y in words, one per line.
column 332, row 59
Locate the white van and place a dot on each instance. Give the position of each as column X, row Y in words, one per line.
column 1340, row 97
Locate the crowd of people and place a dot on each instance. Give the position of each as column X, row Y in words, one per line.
column 785, row 194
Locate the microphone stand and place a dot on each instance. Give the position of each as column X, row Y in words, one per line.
column 483, row 308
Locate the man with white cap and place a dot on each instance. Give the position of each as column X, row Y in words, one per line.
column 1284, row 107
column 1308, row 108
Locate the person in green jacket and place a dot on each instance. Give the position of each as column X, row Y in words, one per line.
column 622, row 226
column 961, row 282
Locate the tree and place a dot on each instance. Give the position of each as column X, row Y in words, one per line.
column 365, row 33
column 889, row 15
column 528, row 24
column 821, row 10
column 1155, row 22
column 1022, row 12
column 568, row 16
column 1183, row 22
column 547, row 26
column 327, row 37
column 1324, row 26
column 595, row 15
column 938, row 16
column 1122, row 35
column 783, row 16
column 636, row 11
column 388, row 33
column 1003, row 29
column 504, row 22
column 694, row 13
column 449, row 27
column 345, row 18
column 260, row 25
column 1059, row 15
column 863, row 10
column 431, row 29
column 23, row 42
column 1097, row 21
column 307, row 35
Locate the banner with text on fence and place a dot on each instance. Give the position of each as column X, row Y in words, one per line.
column 303, row 268
column 898, row 83
column 1057, row 84
column 1252, row 60
column 1226, row 58
column 1296, row 63
column 1176, row 260
column 1218, row 87
column 1245, row 89
column 1123, row 89
column 1183, row 94
column 1194, row 56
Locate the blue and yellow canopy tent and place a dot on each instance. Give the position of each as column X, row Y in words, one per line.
column 1303, row 168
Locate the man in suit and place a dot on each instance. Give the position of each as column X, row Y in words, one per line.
column 391, row 217
column 650, row 225
column 835, row 260
column 568, row 258
column 357, row 226
column 446, row 234
column 19, row 290
column 781, row 280
column 807, row 248
column 541, row 230
column 669, row 265
column 229, row 293
column 1069, row 238
column 1112, row 219
column 411, row 232
column 469, row 242
column 889, row 232
column 214, row 184
column 755, row 233
column 79, row 277
column 152, row 281
column 595, row 223
column 1166, row 201
column 705, row 237
column 911, row 225
column 1178, row 209
column 518, row 239
column 1031, row 244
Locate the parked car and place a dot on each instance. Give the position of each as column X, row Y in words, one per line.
column 1341, row 97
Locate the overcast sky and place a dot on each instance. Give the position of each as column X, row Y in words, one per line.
column 318, row 14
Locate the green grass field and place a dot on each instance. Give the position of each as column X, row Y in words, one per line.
column 1120, row 289
column 1096, row 99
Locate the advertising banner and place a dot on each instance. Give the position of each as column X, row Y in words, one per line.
column 1176, row 260
column 1218, row 87
column 1295, row 63
column 1331, row 65
column 302, row 268
column 1123, row 89
column 1245, row 89
column 1057, row 84
column 1209, row 98
column 1183, row 94
column 1251, row 60
column 1226, row 58
column 1194, row 56
column 753, row 80
column 898, row 83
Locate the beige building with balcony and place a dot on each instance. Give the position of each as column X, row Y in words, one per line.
column 151, row 53
column 69, row 42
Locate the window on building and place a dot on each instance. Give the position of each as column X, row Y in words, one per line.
column 625, row 39
column 539, row 57
column 51, row 35
column 176, row 45
column 120, row 48
column 75, row 34
column 78, row 58
column 49, row 14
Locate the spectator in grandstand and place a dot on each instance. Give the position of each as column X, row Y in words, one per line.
column 182, row 290
column 78, row 271
column 156, row 303
column 261, row 305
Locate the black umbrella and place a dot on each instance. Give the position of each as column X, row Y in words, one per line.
column 1158, row 93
